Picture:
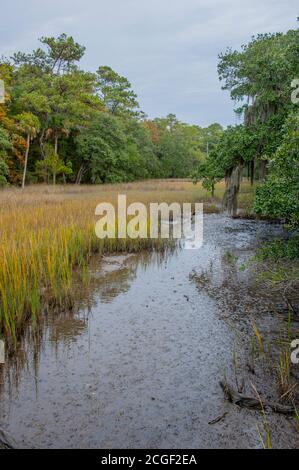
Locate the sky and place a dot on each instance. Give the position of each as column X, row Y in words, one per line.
column 168, row 49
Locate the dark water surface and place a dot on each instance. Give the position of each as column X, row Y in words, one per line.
column 139, row 363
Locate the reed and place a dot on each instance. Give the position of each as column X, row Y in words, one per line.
column 47, row 232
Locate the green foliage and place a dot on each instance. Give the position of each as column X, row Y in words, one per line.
column 107, row 152
column 280, row 249
column 116, row 92
column 3, row 173
column 91, row 120
column 261, row 73
column 181, row 147
column 60, row 56
column 174, row 154
column 234, row 147
column 148, row 165
column 5, row 146
column 29, row 124
column 208, row 173
column 279, row 195
column 259, row 77
column 229, row 258
column 53, row 164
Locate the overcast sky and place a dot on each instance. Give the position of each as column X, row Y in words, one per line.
column 167, row 48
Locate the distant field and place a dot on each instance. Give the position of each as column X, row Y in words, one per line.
column 46, row 231
column 143, row 191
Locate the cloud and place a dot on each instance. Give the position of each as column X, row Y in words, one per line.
column 168, row 49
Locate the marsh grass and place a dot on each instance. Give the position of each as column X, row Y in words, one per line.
column 266, row 440
column 46, row 232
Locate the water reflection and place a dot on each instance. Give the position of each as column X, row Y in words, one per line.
column 108, row 278
column 227, row 245
column 137, row 362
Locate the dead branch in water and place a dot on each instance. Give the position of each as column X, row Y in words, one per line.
column 6, row 442
column 253, row 403
column 217, row 420
column 289, row 304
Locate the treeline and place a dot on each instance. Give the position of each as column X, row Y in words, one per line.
column 60, row 123
column 263, row 79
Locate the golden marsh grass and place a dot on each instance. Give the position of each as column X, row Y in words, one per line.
column 46, row 232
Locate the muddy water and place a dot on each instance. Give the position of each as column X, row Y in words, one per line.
column 138, row 363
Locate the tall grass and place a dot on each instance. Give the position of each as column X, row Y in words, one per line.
column 46, row 232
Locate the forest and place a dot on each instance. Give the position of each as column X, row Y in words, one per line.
column 60, row 123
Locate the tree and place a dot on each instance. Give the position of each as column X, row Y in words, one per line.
column 53, row 164
column 226, row 160
column 61, row 55
column 14, row 151
column 5, row 145
column 278, row 197
column 49, row 84
column 110, row 151
column 209, row 137
column 179, row 146
column 258, row 78
column 209, row 173
column 89, row 119
column 72, row 103
column 116, row 92
column 29, row 124
column 140, row 135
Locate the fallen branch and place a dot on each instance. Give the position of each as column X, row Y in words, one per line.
column 289, row 304
column 220, row 418
column 6, row 442
column 253, row 403
column 291, row 308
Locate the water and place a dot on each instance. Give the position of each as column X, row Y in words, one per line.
column 138, row 363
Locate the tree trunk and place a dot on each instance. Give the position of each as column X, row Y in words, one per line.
column 41, row 144
column 56, row 144
column 26, row 161
column 263, row 170
column 230, row 200
column 80, row 174
column 54, row 179
column 42, row 153
column 252, row 167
